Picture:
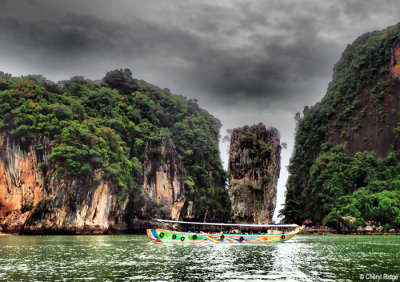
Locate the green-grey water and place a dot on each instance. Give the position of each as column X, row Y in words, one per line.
column 133, row 257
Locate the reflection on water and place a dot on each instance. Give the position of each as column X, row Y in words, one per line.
column 132, row 257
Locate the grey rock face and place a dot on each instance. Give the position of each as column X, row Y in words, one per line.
column 253, row 168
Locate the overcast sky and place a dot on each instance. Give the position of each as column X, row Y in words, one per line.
column 245, row 61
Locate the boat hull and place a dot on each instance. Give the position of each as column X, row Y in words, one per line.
column 175, row 237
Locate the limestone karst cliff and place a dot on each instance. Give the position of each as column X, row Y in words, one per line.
column 21, row 184
column 336, row 163
column 84, row 156
column 253, row 168
column 35, row 201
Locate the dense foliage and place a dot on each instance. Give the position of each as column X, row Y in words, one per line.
column 106, row 125
column 358, row 185
column 362, row 71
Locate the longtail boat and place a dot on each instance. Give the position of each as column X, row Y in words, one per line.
column 174, row 236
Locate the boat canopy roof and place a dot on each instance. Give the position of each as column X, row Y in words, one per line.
column 225, row 224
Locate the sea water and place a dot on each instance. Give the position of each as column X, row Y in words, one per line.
column 134, row 257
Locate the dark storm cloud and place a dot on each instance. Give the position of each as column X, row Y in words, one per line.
column 218, row 64
column 86, row 35
column 232, row 53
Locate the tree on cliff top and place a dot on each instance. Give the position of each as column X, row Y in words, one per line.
column 121, row 80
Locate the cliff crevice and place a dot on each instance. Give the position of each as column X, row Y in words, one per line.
column 163, row 186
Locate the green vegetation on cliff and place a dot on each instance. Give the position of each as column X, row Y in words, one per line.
column 359, row 185
column 106, row 126
column 357, row 111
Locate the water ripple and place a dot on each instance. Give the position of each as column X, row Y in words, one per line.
column 130, row 257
